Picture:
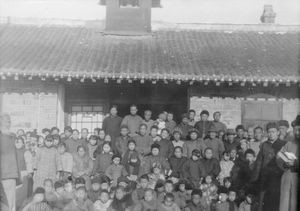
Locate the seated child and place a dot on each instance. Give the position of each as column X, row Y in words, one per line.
column 92, row 146
column 95, row 190
column 155, row 159
column 222, row 204
column 80, row 202
column 169, row 188
column 68, row 193
column 249, row 204
column 105, row 183
column 177, row 161
column 115, row 170
column 209, row 191
column 66, row 160
column 177, row 142
column 195, row 204
column 211, row 165
column 232, row 200
column 193, row 169
column 139, row 193
column 50, row 196
column 59, row 193
column 122, row 141
column 168, row 204
column 103, row 202
column 131, row 161
column 37, row 202
column 155, row 176
column 183, row 192
column 148, row 202
column 103, row 160
column 226, row 165
column 121, row 200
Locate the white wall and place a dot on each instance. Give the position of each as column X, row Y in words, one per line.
column 173, row 11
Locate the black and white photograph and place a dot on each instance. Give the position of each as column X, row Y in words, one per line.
column 149, row 105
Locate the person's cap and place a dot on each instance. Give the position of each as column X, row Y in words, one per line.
column 155, row 146
column 212, row 129
column 58, row 184
column 131, row 141
column 175, row 174
column 296, row 122
column 284, row 123
column 116, row 156
column 230, row 132
column 177, row 130
column 204, row 112
column 39, row 190
column 196, row 153
column 271, row 125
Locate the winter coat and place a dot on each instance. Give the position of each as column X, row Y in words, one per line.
column 72, row 144
column 121, row 144
column 166, row 148
column 111, row 126
column 176, row 164
column 216, row 145
column 203, row 127
column 212, row 166
column 114, row 172
column 219, row 126
column 193, row 171
column 133, row 123
column 82, row 165
column 225, row 167
column 151, row 161
column 189, row 146
column 231, row 145
column 143, row 144
column 99, row 206
column 66, row 160
column 101, row 163
column 185, row 128
column 131, row 162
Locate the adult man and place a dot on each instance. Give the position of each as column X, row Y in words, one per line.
column 67, row 133
column 283, row 130
column 289, row 180
column 255, row 143
column 147, row 120
column 240, row 132
column 214, row 143
column 111, row 124
column 216, row 122
column 184, row 126
column 267, row 171
column 84, row 134
column 192, row 114
column 9, row 166
column 203, row 125
column 132, row 121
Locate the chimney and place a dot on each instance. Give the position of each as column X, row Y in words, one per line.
column 268, row 15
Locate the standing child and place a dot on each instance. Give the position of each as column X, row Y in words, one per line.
column 122, row 141
column 103, row 202
column 166, row 146
column 47, row 163
column 115, row 170
column 193, row 143
column 80, row 202
column 66, row 160
column 103, row 159
column 177, row 161
column 92, row 146
column 139, row 193
column 195, row 204
column 226, row 165
column 131, row 161
column 168, row 203
column 193, row 169
column 148, row 203
column 222, row 204
column 232, row 200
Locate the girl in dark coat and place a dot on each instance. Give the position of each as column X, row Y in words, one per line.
column 211, row 165
column 131, row 160
column 177, row 160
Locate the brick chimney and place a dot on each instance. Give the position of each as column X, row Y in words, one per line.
column 268, row 15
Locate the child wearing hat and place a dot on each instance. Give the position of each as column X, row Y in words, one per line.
column 115, row 170
column 193, row 143
column 177, row 142
column 131, row 160
column 155, row 159
column 177, row 161
column 193, row 169
column 214, row 143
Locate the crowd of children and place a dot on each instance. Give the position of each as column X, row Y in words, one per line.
column 141, row 164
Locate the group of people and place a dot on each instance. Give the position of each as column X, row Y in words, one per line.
column 141, row 164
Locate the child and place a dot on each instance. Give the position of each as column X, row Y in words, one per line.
column 233, row 155
column 115, row 170
column 103, row 202
column 82, row 165
column 143, row 141
column 50, row 196
column 209, row 191
column 59, row 193
column 249, row 204
column 101, row 136
column 121, row 201
column 193, row 143
column 166, row 146
column 170, row 124
column 154, row 134
column 177, row 138
column 139, row 193
column 177, row 161
column 148, row 203
column 169, row 188
column 80, row 202
column 92, row 145
column 161, row 122
column 222, row 204
column 231, row 199
column 131, row 161
column 68, row 193
column 103, row 159
column 122, row 141
column 37, row 202
column 193, row 169
column 66, row 160
column 56, row 140
column 104, row 183
column 226, row 165
column 168, row 204
column 214, row 143
column 95, row 190
column 156, row 175
column 227, row 183
column 155, row 159
column 183, row 192
column 195, row 204
column 211, row 165
column 147, row 120
column 73, row 142
column 47, row 163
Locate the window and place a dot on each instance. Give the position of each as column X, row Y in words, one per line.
column 129, row 3
column 89, row 117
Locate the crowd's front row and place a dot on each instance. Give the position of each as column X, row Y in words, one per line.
column 134, row 173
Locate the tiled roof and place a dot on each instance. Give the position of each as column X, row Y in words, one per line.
column 179, row 55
